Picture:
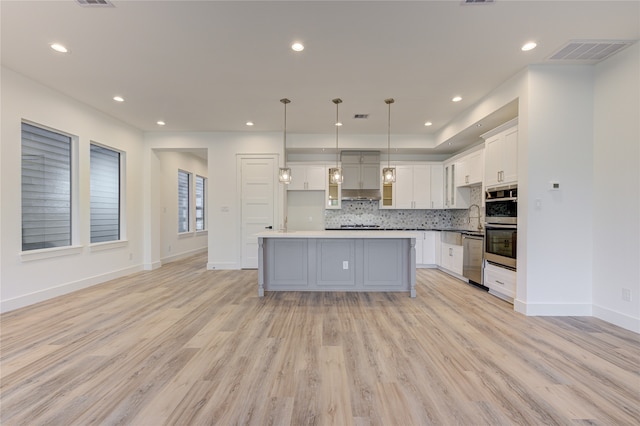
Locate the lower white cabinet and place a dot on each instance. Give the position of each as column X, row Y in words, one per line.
column 501, row 281
column 428, row 248
column 451, row 257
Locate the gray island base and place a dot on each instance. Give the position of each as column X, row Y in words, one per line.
column 362, row 261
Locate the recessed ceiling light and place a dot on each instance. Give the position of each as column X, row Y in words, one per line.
column 456, row 99
column 428, row 123
column 160, row 123
column 249, row 123
column 298, row 47
column 338, row 124
column 529, row 46
column 479, row 125
column 59, row 48
column 118, row 98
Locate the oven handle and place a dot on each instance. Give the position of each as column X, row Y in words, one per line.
column 496, row 226
column 493, row 200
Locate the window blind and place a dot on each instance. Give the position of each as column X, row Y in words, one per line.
column 105, row 194
column 183, row 201
column 46, row 188
column 200, row 203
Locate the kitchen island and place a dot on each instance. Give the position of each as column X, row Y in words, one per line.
column 358, row 261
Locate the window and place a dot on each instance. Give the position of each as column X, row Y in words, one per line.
column 46, row 188
column 105, row 194
column 200, row 203
column 183, row 201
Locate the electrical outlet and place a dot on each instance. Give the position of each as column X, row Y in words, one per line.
column 345, row 264
column 169, row 248
column 626, row 294
column 130, row 256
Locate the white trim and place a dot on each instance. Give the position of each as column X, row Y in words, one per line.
column 183, row 255
column 49, row 293
column 151, row 266
column 48, row 253
column 555, row 309
column 108, row 245
column 617, row 318
column 224, row 265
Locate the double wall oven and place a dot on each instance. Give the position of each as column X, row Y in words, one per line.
column 501, row 226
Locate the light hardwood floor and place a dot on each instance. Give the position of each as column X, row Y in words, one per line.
column 182, row 345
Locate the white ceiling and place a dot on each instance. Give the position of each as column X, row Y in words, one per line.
column 213, row 65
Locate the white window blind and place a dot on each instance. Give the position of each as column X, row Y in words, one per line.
column 183, row 201
column 105, row 194
column 200, row 188
column 46, row 188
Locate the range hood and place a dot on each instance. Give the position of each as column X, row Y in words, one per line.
column 361, row 195
column 361, row 173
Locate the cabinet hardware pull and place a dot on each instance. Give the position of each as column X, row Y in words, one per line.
column 500, row 282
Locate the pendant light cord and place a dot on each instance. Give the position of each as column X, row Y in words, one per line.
column 285, row 101
column 337, row 101
column 389, row 102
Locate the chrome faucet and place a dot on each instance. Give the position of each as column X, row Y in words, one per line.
column 476, row 217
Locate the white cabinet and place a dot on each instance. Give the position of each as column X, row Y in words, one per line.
column 307, row 177
column 427, row 242
column 437, row 186
column 333, row 196
column 455, row 197
column 470, row 169
column 451, row 257
column 360, row 170
column 501, row 281
column 501, row 155
column 413, row 183
column 417, row 186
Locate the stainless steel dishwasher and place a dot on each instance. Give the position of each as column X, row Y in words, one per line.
column 473, row 246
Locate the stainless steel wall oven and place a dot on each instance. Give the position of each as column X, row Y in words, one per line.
column 500, row 243
column 501, row 226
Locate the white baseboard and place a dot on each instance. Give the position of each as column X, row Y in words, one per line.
column 554, row 309
column 40, row 296
column 617, row 318
column 184, row 254
column 152, row 266
column 223, row 265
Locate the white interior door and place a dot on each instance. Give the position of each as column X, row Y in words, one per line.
column 258, row 204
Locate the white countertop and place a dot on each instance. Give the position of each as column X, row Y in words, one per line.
column 337, row 234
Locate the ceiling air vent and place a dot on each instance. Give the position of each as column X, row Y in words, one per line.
column 476, row 1
column 361, row 116
column 588, row 51
column 95, row 3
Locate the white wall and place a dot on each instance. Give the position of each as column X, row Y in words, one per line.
column 560, row 148
column 174, row 246
column 22, row 280
column 224, row 201
column 616, row 202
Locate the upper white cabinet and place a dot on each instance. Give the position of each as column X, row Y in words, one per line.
column 307, row 177
column 455, row 197
column 470, row 169
column 437, row 186
column 417, row 186
column 501, row 155
column 334, row 192
column 413, row 183
column 360, row 170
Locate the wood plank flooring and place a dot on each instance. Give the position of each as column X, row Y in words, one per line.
column 185, row 346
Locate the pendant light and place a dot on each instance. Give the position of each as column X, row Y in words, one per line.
column 284, row 175
column 389, row 173
column 335, row 173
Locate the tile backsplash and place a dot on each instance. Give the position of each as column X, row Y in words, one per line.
column 368, row 213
